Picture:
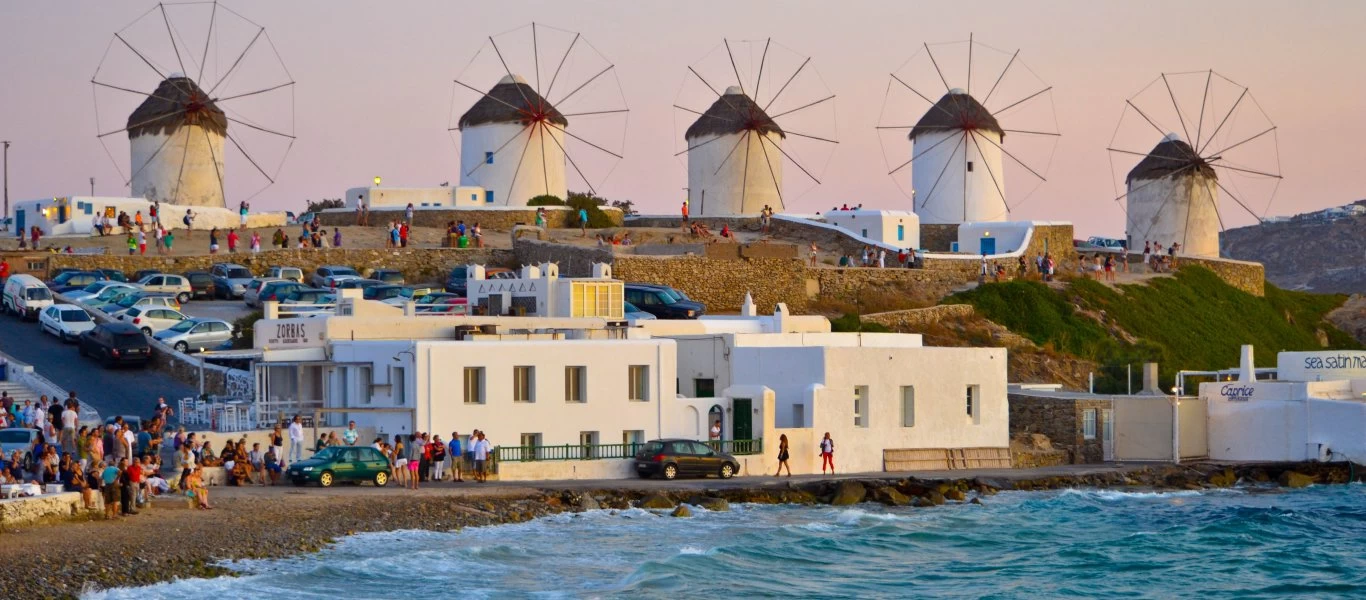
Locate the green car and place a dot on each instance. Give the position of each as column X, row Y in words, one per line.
column 342, row 463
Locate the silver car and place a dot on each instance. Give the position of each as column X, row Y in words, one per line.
column 194, row 335
column 18, row 438
column 230, row 280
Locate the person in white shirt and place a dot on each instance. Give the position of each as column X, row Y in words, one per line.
column 349, row 436
column 69, row 419
column 481, row 455
column 296, row 440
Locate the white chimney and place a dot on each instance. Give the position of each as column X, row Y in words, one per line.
column 747, row 307
column 1246, row 371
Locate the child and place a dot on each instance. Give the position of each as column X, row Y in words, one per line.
column 142, row 243
column 132, row 244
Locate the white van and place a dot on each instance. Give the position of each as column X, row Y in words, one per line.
column 25, row 296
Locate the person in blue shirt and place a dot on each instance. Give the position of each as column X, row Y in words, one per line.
column 457, row 458
column 583, row 222
column 144, row 442
column 349, row 436
column 109, row 476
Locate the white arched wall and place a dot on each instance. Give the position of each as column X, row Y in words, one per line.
column 734, row 189
column 534, row 178
column 156, row 173
column 948, row 203
column 1181, row 208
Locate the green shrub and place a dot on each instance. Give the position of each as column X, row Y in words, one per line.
column 545, row 200
column 246, row 330
column 852, row 322
column 596, row 218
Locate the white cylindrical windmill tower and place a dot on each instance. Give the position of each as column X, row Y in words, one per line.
column 734, row 161
column 1172, row 198
column 957, row 173
column 176, row 145
column 513, row 115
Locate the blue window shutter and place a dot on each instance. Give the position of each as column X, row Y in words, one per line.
column 488, row 196
column 488, row 158
column 900, row 233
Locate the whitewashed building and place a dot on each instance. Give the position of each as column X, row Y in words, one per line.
column 515, row 118
column 734, row 161
column 896, row 228
column 75, row 215
column 1315, row 409
column 175, row 140
column 539, row 291
column 377, row 197
column 957, row 172
column 1173, row 198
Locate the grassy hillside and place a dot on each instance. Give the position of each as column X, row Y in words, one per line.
column 1191, row 321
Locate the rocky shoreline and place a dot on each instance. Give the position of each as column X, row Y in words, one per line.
column 170, row 541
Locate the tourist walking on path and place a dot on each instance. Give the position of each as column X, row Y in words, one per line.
column 296, row 440
column 827, row 454
column 168, row 240
column 232, row 241
column 685, row 215
column 213, row 241
column 783, row 456
column 336, row 238
column 255, row 242
column 142, row 243
column 399, row 459
column 408, row 213
column 583, row 222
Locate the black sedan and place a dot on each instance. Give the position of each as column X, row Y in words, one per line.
column 202, row 285
column 116, row 343
column 683, row 458
column 74, row 281
column 663, row 301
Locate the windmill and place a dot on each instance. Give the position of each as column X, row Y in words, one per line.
column 1213, row 140
column 209, row 83
column 959, row 158
column 773, row 114
column 537, row 107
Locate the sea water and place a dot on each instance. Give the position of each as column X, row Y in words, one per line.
column 1073, row 543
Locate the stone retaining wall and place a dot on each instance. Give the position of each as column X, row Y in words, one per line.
column 1061, row 420
column 23, row 511
column 497, row 219
column 417, row 264
column 574, row 261
column 721, row 284
column 1247, row 276
column 919, row 318
column 938, row 237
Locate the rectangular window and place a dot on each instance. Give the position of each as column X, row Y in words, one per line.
column 638, row 383
column 863, row 232
column 400, row 383
column 474, row 385
column 575, row 384
column 908, row 406
column 488, row 159
column 861, row 406
column 704, row 388
column 524, row 384
column 969, row 166
column 632, row 436
column 344, row 383
column 975, row 403
column 1088, row 424
column 488, row 196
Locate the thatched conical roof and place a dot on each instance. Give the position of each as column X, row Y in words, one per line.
column 511, row 101
column 1170, row 156
column 734, row 112
column 181, row 97
column 956, row 111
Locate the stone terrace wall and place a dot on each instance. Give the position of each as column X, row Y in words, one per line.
column 938, row 237
column 417, row 264
column 574, row 261
column 1247, row 276
column 721, row 284
column 850, row 281
column 917, row 319
column 493, row 218
column 1061, row 420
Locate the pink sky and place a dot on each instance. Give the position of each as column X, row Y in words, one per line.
column 374, row 86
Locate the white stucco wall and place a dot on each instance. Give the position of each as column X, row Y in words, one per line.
column 156, row 174
column 1181, row 209
column 880, row 225
column 1009, row 235
column 400, row 197
column 1284, row 420
column 535, row 173
column 740, row 186
column 947, row 202
column 81, row 223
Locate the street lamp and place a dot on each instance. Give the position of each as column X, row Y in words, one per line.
column 377, row 181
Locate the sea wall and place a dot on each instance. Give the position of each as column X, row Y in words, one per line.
column 17, row 512
column 500, row 219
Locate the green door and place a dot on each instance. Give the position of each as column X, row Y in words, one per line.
column 742, row 424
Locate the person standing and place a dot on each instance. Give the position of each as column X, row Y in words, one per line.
column 4, row 270
column 813, row 251
column 827, row 454
column 336, row 237
column 424, row 451
column 438, row 458
column 783, row 456
column 715, row 433
column 296, row 440
column 213, row 241
column 255, row 242
column 481, row 456
column 188, row 220
column 242, row 210
column 125, row 482
column 109, row 478
column 457, row 457
column 583, row 222
column 168, row 240
column 142, row 242
column 685, row 215
column 232, row 241
column 414, row 460
column 408, row 213
column 132, row 244
column 277, row 442
column 350, row 435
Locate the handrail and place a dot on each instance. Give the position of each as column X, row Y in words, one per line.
column 610, row 451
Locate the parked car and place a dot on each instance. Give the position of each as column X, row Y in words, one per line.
column 634, row 314
column 114, row 274
column 19, row 439
column 116, row 343
column 341, row 463
column 167, row 283
column 393, row 276
column 143, row 299
column 1102, row 243
column 152, row 319
column 308, row 300
column 24, row 296
column 407, row 293
column 230, row 280
column 294, row 274
column 138, row 276
column 353, row 283
column 675, row 458
column 192, row 335
column 321, row 277
column 449, row 305
column 276, row 291
column 457, row 280
column 201, row 285
column 66, row 321
column 382, row 292
column 435, row 298
column 251, row 295
column 93, row 290
column 663, row 301
column 72, row 281
column 112, row 296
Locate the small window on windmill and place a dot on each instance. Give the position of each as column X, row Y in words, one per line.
column 969, row 166
column 488, row 158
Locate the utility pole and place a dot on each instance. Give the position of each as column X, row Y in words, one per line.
column 4, row 218
column 92, row 186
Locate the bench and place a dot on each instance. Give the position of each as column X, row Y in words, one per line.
column 90, row 251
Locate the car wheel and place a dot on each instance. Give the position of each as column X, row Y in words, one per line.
column 182, row 347
column 727, row 471
column 147, row 331
column 381, row 479
column 670, row 471
column 325, row 479
column 183, row 298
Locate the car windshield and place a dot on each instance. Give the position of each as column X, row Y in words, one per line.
column 239, row 273
column 327, row 454
column 10, row 436
column 628, row 307
column 75, row 316
column 129, row 340
column 38, row 293
column 344, row 271
column 406, row 293
column 184, row 326
column 652, row 447
column 94, row 287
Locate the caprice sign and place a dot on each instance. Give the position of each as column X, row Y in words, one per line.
column 1237, row 393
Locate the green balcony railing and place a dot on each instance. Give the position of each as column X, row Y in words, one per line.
column 608, row 451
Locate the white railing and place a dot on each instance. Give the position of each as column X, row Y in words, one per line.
column 219, row 415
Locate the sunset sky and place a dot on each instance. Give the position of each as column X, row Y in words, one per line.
column 374, row 88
